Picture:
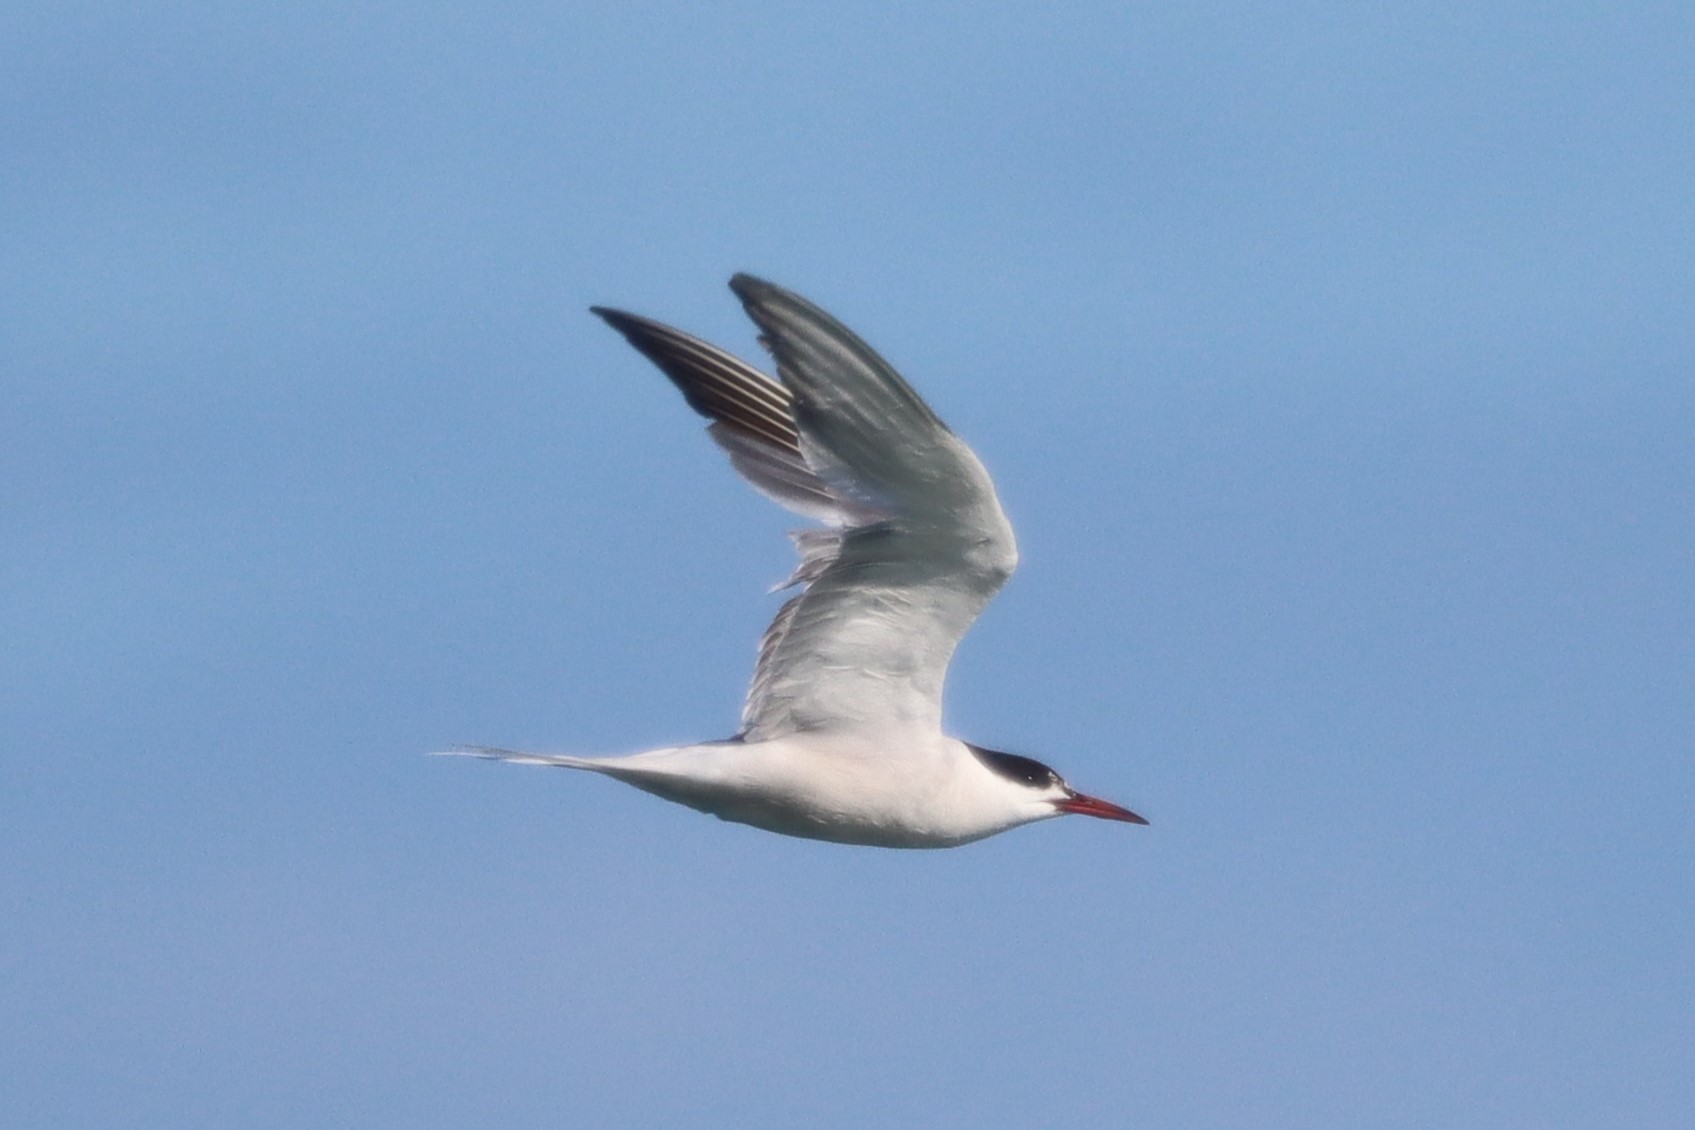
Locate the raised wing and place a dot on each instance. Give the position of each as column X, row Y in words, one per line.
column 919, row 543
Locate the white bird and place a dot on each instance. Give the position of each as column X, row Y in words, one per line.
column 841, row 735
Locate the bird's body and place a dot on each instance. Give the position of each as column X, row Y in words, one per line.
column 841, row 735
column 903, row 789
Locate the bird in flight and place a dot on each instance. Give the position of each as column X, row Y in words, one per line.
column 841, row 736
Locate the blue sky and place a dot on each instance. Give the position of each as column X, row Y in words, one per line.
column 1335, row 362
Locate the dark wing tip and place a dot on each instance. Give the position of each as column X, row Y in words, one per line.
column 770, row 306
column 765, row 300
column 747, row 286
column 716, row 384
column 621, row 320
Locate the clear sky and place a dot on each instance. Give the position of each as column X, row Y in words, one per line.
column 1336, row 363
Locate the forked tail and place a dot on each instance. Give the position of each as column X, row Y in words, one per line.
column 492, row 753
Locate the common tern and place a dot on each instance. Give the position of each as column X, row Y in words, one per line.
column 841, row 734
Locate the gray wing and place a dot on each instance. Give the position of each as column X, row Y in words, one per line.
column 916, row 542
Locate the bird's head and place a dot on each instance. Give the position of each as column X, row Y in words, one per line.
column 1044, row 793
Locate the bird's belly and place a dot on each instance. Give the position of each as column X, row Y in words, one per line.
column 845, row 816
column 868, row 829
column 855, row 795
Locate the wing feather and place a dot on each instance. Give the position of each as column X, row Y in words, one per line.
column 716, row 384
column 919, row 545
